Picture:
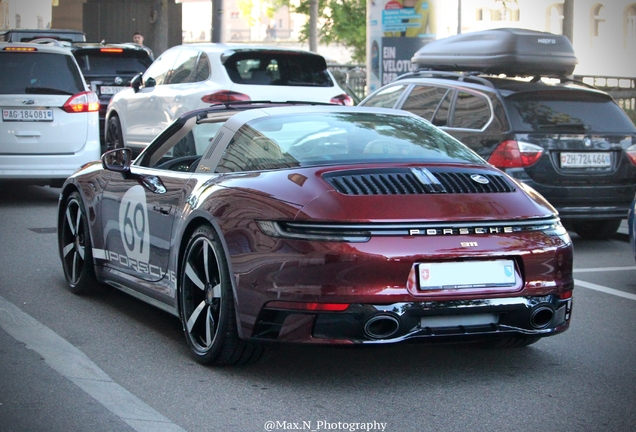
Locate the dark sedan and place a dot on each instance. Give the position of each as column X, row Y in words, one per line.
column 318, row 224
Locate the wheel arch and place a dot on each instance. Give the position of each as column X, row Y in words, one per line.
column 61, row 208
column 198, row 218
column 64, row 195
column 66, row 192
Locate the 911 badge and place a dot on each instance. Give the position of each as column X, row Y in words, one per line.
column 133, row 224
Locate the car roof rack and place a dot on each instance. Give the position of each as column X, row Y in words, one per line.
column 482, row 77
column 459, row 76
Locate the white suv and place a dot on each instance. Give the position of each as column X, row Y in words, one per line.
column 49, row 125
column 188, row 77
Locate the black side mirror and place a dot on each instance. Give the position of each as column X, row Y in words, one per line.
column 150, row 82
column 117, row 160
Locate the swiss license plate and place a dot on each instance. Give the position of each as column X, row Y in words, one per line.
column 582, row 160
column 27, row 115
column 467, row 274
column 110, row 90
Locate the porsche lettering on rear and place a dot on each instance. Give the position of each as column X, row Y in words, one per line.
column 461, row 231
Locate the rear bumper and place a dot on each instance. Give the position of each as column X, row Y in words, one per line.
column 587, row 213
column 587, row 202
column 462, row 320
column 40, row 169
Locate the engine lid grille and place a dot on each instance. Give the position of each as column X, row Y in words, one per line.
column 415, row 181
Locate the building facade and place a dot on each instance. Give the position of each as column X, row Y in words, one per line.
column 32, row 14
column 604, row 32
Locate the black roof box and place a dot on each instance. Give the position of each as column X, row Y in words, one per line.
column 509, row 51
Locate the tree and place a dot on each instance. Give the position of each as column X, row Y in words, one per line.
column 340, row 21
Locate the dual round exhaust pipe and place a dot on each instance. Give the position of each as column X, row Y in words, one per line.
column 381, row 326
column 541, row 316
column 384, row 326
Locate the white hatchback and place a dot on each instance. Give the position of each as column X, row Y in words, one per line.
column 188, row 77
column 49, row 126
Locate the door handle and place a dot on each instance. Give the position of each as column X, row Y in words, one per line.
column 163, row 209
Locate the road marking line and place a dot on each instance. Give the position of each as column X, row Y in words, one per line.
column 604, row 289
column 603, row 269
column 74, row 365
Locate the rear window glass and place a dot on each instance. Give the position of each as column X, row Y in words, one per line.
column 567, row 112
column 279, row 142
column 39, row 73
column 278, row 68
column 95, row 62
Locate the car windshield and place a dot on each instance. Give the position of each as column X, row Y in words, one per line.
column 39, row 73
column 278, row 68
column 328, row 138
column 96, row 62
column 567, row 111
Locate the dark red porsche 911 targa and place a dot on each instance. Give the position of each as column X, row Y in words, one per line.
column 318, row 224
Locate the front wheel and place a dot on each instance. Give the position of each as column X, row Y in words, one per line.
column 74, row 242
column 207, row 306
column 114, row 137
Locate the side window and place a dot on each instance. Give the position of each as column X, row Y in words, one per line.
column 440, row 118
column 423, row 100
column 183, row 67
column 183, row 150
column 160, row 67
column 202, row 69
column 386, row 98
column 470, row 112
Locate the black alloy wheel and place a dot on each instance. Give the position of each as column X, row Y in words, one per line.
column 114, row 137
column 74, row 243
column 207, row 306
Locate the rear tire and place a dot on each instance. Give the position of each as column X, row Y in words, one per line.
column 596, row 229
column 75, row 247
column 114, row 137
column 206, row 304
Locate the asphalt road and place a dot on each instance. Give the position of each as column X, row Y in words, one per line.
column 111, row 363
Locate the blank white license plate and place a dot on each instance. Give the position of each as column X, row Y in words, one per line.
column 110, row 90
column 581, row 160
column 467, row 274
column 458, row 320
column 29, row 115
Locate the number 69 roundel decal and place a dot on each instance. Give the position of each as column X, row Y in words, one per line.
column 133, row 224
